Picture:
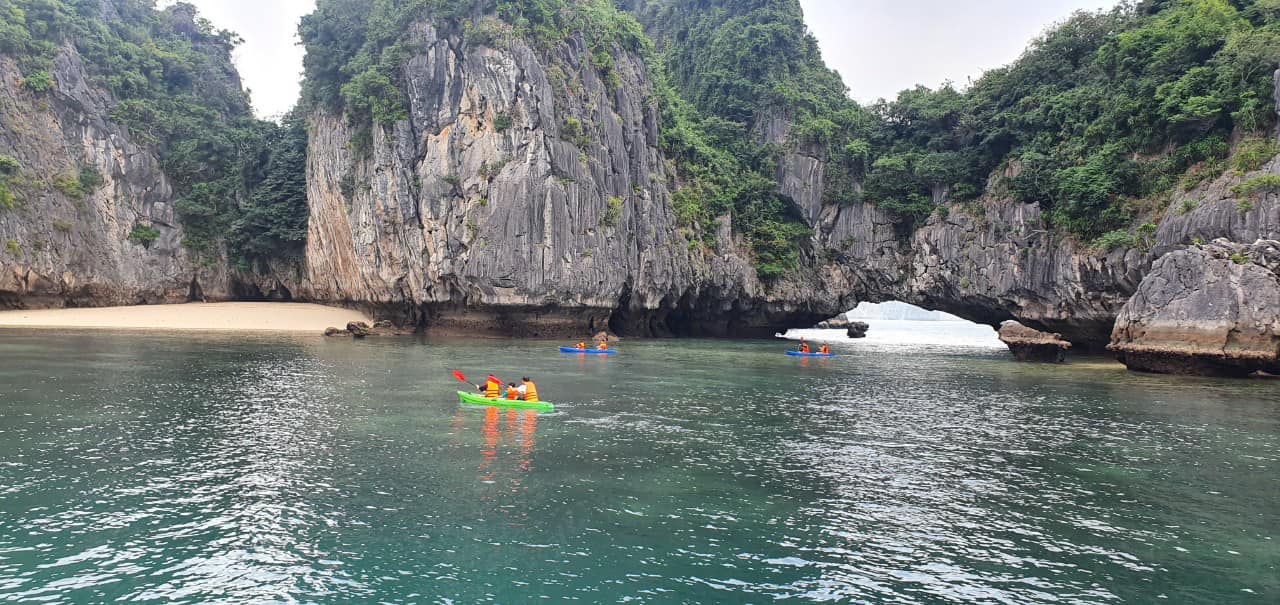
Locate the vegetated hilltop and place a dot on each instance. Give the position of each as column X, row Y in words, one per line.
column 666, row 166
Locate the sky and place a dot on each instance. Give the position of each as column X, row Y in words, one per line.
column 879, row 46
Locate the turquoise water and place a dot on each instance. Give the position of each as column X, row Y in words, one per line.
column 250, row 469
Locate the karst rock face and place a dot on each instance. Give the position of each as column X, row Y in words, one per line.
column 69, row 239
column 1212, row 309
column 527, row 192
column 523, row 194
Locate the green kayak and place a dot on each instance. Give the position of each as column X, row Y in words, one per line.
column 474, row 399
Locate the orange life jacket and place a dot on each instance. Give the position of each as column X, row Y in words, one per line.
column 825, row 350
column 582, row 346
column 492, row 389
column 530, row 391
column 512, row 393
column 804, row 348
column 603, row 346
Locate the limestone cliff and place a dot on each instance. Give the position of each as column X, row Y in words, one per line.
column 85, row 199
column 523, row 194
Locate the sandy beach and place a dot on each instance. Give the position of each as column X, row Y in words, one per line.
column 229, row 317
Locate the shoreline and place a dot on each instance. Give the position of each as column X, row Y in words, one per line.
column 189, row 317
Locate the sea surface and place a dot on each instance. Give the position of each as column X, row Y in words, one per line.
column 926, row 467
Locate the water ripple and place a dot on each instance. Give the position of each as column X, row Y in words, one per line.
column 249, row 470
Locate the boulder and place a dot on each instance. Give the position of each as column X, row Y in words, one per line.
column 605, row 336
column 335, row 332
column 359, row 329
column 1209, row 310
column 1032, row 345
column 858, row 329
column 839, row 322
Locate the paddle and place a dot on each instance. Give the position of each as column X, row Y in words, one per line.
column 461, row 378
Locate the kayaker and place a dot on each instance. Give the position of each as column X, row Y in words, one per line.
column 581, row 346
column 492, row 387
column 530, row 389
column 825, row 350
column 804, row 346
column 603, row 346
column 512, row 392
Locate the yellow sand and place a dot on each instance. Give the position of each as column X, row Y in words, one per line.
column 277, row 317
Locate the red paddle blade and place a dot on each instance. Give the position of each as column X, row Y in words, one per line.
column 459, row 376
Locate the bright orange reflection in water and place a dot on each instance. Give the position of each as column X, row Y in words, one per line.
column 507, row 432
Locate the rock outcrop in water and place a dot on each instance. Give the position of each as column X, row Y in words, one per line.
column 1027, row 344
column 1207, row 310
column 858, row 329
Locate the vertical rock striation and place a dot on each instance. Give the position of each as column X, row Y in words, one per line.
column 519, row 195
column 82, row 189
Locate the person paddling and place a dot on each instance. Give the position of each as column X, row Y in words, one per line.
column 825, row 350
column 492, row 388
column 804, row 346
column 603, row 346
column 581, row 346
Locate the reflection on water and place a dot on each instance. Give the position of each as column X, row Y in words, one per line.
column 507, row 427
column 226, row 469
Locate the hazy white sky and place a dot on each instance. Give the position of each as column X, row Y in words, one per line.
column 879, row 46
column 883, row 46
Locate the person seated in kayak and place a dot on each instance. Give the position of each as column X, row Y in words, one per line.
column 825, row 350
column 512, row 392
column 804, row 347
column 528, row 390
column 492, row 388
column 581, row 346
column 603, row 346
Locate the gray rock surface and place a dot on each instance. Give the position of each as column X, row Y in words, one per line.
column 1207, row 310
column 858, row 329
column 839, row 322
column 1028, row 344
column 559, row 224
column 68, row 250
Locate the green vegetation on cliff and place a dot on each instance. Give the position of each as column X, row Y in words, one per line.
column 356, row 51
column 1103, row 111
column 175, row 88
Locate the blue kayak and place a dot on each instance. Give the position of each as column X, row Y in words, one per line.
column 799, row 354
column 588, row 351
